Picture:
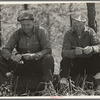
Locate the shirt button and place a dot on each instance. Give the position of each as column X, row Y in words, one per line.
column 28, row 51
column 7, row 58
column 28, row 44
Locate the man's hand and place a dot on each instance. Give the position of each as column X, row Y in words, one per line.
column 27, row 56
column 78, row 51
column 88, row 50
column 16, row 58
column 30, row 56
column 36, row 56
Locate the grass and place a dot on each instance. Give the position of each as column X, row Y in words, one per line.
column 50, row 89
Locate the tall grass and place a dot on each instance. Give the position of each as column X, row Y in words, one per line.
column 69, row 89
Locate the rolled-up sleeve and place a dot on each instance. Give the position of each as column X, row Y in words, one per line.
column 95, row 41
column 7, row 49
column 44, row 41
column 66, row 49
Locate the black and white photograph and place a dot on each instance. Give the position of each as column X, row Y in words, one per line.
column 49, row 49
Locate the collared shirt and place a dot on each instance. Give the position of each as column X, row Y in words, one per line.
column 87, row 38
column 25, row 44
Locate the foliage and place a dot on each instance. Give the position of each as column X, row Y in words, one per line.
column 68, row 89
column 53, row 16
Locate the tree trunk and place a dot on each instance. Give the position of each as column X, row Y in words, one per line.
column 0, row 26
column 25, row 6
column 48, row 19
column 70, row 10
column 91, row 16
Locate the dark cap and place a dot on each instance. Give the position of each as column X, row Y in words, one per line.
column 26, row 15
column 79, row 16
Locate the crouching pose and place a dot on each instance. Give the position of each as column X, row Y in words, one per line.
column 81, row 49
column 33, row 50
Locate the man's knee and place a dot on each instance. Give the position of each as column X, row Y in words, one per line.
column 48, row 67
column 2, row 61
column 96, row 57
column 48, row 62
column 65, row 61
column 48, row 58
column 65, row 67
column 1, row 58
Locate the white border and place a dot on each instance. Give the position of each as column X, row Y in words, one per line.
column 52, row 97
column 43, row 2
column 49, row 97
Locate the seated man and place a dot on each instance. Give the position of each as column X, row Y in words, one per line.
column 80, row 51
column 33, row 50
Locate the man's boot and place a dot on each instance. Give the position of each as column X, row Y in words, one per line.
column 97, row 82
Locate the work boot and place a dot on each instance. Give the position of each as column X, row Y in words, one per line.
column 64, row 81
column 97, row 82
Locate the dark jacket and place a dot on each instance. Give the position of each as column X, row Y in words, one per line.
column 37, row 42
column 71, row 41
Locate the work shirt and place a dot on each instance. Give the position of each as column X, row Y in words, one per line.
column 72, row 40
column 37, row 42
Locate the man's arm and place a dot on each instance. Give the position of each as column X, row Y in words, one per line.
column 44, row 42
column 7, row 49
column 95, row 41
column 67, row 50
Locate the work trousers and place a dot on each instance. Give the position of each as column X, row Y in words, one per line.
column 43, row 67
column 73, row 67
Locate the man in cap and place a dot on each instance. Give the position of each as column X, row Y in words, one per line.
column 33, row 50
column 80, row 51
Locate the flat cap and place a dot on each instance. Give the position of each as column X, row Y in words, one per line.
column 79, row 16
column 25, row 15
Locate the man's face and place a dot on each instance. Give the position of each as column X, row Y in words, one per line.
column 27, row 26
column 77, row 25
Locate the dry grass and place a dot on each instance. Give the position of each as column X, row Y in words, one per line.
column 69, row 89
